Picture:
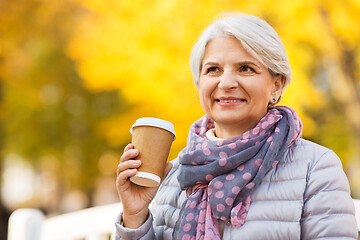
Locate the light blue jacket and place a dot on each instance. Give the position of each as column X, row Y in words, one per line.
column 306, row 196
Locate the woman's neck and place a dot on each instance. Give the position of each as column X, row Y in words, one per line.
column 225, row 131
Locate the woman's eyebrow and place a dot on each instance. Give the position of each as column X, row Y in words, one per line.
column 210, row 63
column 241, row 63
column 237, row 63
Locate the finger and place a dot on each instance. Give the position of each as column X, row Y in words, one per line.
column 129, row 154
column 129, row 146
column 167, row 169
column 124, row 176
column 130, row 164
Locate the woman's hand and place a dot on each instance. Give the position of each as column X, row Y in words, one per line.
column 135, row 198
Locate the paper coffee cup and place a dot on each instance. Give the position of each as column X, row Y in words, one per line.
column 153, row 138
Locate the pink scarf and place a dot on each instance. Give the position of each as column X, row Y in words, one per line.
column 221, row 175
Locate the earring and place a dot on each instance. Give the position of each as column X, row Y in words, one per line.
column 273, row 100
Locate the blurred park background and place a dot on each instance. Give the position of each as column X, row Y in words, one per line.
column 76, row 74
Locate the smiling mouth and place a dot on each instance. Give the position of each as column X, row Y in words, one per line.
column 230, row 100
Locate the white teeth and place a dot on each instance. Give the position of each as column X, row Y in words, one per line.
column 229, row 101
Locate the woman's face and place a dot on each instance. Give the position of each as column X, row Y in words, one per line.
column 234, row 87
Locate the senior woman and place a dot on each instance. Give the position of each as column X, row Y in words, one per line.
column 245, row 173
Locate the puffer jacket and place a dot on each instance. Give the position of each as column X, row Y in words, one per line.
column 306, row 196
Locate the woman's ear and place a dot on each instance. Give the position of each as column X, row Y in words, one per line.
column 276, row 91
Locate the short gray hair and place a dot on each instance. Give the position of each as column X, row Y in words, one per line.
column 257, row 37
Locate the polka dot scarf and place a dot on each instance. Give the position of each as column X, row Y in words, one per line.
column 219, row 176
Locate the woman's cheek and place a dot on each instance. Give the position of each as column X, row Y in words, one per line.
column 202, row 102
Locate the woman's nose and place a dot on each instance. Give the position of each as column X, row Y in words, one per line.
column 227, row 81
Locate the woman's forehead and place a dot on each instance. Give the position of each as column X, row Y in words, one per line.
column 227, row 48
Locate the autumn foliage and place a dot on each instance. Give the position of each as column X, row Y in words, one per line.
column 76, row 74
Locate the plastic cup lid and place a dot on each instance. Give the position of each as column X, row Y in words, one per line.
column 154, row 122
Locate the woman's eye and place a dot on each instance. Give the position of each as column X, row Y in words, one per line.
column 212, row 69
column 246, row 69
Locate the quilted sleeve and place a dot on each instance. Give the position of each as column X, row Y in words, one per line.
column 144, row 232
column 328, row 211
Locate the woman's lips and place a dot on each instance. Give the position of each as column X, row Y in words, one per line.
column 229, row 101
